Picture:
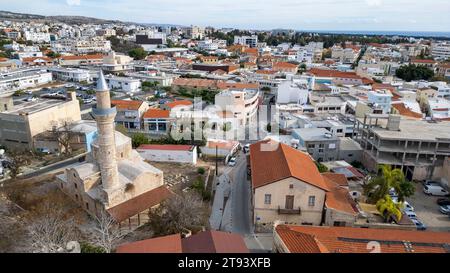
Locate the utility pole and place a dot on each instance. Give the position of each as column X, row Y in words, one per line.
column 217, row 170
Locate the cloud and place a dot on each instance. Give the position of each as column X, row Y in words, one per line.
column 73, row 2
column 374, row 3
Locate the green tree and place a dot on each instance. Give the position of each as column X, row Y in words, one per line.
column 139, row 139
column 388, row 208
column 388, row 178
column 322, row 168
column 413, row 72
column 137, row 53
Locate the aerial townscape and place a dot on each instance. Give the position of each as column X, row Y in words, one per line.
column 122, row 137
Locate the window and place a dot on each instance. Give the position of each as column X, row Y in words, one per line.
column 76, row 186
column 291, row 186
column 268, row 199
column 312, row 201
column 87, row 205
column 339, row 130
column 339, row 224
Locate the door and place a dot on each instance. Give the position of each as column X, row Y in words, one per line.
column 289, row 202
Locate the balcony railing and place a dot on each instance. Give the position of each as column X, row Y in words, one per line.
column 289, row 211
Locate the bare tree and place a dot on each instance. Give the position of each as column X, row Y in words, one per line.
column 107, row 233
column 50, row 230
column 17, row 160
column 64, row 135
column 181, row 212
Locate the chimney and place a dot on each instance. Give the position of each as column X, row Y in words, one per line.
column 393, row 123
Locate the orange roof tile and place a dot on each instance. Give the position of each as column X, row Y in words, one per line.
column 179, row 103
column 284, row 65
column 337, row 178
column 83, row 57
column 140, row 203
column 237, row 85
column 195, row 83
column 166, row 244
column 157, row 113
column 355, row 240
column 202, row 242
column 405, row 111
column 127, row 104
column 285, row 162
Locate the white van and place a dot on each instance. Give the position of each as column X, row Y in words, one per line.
column 435, row 191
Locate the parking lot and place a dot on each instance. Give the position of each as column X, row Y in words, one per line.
column 428, row 211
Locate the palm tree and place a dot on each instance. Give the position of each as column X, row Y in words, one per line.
column 389, row 208
column 378, row 187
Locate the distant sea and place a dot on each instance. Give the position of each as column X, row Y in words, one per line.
column 386, row 33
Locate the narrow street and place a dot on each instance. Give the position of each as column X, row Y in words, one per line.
column 236, row 215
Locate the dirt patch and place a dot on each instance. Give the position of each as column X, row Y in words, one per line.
column 179, row 177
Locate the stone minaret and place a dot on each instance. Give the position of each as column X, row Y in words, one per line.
column 104, row 116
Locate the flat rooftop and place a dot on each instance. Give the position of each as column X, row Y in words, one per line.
column 28, row 108
column 415, row 130
column 313, row 134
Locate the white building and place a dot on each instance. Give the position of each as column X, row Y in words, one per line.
column 250, row 41
column 21, row 79
column 440, row 50
column 293, row 91
column 169, row 153
column 70, row 74
column 37, row 37
column 123, row 84
column 242, row 104
column 381, row 98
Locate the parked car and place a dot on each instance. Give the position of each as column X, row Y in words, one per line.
column 87, row 100
column 246, row 148
column 431, row 183
column 443, row 201
column 445, row 209
column 232, row 162
column 410, row 214
column 419, row 224
column 28, row 92
column 407, row 206
column 435, row 191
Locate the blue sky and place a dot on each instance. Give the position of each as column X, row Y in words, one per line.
column 387, row 15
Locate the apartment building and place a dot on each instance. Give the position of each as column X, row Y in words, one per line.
column 116, row 63
column 381, row 98
column 157, row 121
column 242, row 104
column 81, row 60
column 418, row 147
column 37, row 37
column 123, row 84
column 250, row 41
column 70, row 74
column 440, row 50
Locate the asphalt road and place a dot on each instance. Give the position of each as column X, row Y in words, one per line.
column 241, row 196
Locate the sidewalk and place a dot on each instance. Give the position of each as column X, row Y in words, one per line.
column 223, row 190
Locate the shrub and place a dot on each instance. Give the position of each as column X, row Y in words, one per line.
column 201, row 170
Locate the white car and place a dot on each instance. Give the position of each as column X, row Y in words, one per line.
column 232, row 162
column 435, row 191
column 30, row 99
column 407, row 206
column 246, row 148
column 410, row 214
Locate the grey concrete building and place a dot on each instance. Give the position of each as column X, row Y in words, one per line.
column 418, row 147
column 319, row 143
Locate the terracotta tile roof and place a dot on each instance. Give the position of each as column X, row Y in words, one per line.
column 405, row 111
column 354, row 240
column 157, row 113
column 266, row 72
column 337, row 178
column 339, row 199
column 167, row 147
column 298, row 242
column 214, row 242
column 127, row 104
column 281, row 65
column 202, row 242
column 32, row 59
column 83, row 57
column 333, row 73
column 195, row 83
column 139, row 203
column 166, row 244
column 423, row 61
column 178, row 103
column 251, row 51
column 285, row 162
column 381, row 86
